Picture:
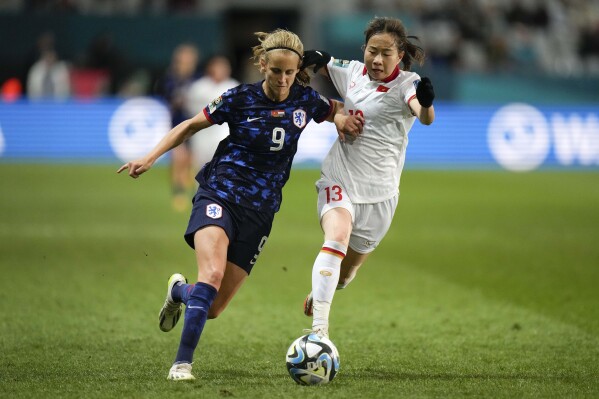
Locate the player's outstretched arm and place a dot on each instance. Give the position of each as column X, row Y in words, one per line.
column 176, row 136
column 423, row 107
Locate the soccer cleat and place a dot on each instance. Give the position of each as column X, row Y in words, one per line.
column 308, row 305
column 180, row 372
column 321, row 331
column 171, row 310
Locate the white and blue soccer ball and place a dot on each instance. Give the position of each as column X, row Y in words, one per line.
column 312, row 360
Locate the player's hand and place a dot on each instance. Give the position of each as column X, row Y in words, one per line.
column 136, row 168
column 351, row 125
column 318, row 58
column 425, row 93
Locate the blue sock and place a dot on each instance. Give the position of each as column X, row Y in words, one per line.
column 196, row 313
column 181, row 292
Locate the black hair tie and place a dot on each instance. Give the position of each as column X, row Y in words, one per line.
column 283, row 48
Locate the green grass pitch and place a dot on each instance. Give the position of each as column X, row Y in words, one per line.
column 487, row 285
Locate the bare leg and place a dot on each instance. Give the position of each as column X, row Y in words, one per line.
column 349, row 267
column 181, row 163
column 233, row 280
column 211, row 244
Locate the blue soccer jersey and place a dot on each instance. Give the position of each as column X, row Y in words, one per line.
column 251, row 166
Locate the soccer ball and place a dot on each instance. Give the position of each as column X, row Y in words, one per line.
column 312, row 360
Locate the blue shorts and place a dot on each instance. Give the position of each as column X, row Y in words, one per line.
column 247, row 230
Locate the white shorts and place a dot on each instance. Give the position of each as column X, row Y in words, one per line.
column 370, row 222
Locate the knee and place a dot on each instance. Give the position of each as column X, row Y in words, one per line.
column 213, row 276
column 340, row 235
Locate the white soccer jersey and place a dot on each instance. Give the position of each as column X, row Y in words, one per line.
column 369, row 168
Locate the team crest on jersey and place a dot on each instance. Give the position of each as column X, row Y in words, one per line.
column 299, row 118
column 340, row 63
column 215, row 104
column 214, row 211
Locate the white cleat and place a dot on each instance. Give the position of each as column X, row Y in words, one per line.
column 321, row 331
column 171, row 310
column 180, row 372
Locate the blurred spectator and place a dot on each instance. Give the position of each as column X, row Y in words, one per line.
column 137, row 84
column 522, row 49
column 49, row 76
column 11, row 5
column 103, row 55
column 588, row 47
column 181, row 5
column 110, row 7
column 216, row 80
column 471, row 20
column 473, row 28
column 173, row 87
column 51, row 5
column 460, row 35
column 531, row 13
column 11, row 90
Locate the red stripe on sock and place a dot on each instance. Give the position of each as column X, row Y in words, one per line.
column 333, row 251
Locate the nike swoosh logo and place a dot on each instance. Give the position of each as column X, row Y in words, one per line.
column 195, row 307
column 253, row 119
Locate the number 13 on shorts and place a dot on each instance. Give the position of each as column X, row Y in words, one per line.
column 333, row 193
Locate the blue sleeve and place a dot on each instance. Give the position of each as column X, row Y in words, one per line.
column 322, row 106
column 220, row 109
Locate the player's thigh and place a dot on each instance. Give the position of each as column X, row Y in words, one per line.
column 211, row 245
column 335, row 210
column 332, row 195
column 234, row 278
column 371, row 224
column 337, row 225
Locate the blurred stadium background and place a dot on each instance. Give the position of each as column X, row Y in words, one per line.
column 483, row 57
column 486, row 285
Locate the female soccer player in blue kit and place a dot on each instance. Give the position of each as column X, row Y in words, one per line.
column 240, row 188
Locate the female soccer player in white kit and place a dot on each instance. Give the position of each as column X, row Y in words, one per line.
column 359, row 186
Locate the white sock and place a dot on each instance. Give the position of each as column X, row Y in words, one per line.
column 325, row 277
